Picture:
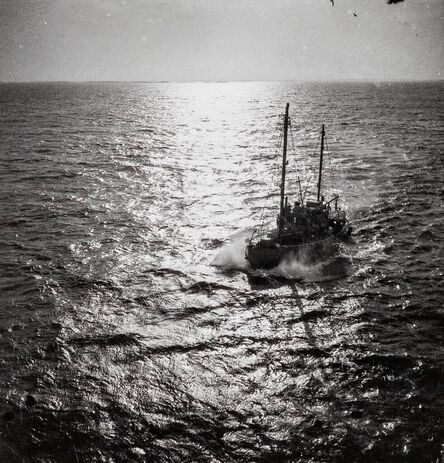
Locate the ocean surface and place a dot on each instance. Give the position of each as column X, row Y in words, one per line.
column 132, row 329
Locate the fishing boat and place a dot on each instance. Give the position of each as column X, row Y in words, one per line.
column 306, row 229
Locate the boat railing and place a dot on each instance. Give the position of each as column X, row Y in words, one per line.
column 311, row 243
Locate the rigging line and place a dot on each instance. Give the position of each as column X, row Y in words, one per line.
column 328, row 152
column 279, row 143
column 293, row 145
column 302, row 195
column 326, row 145
column 317, row 145
column 275, row 172
column 315, row 152
column 281, row 135
column 317, row 148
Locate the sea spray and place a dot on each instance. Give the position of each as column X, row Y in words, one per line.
column 232, row 255
column 293, row 267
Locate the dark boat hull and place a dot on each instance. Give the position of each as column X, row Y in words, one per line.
column 268, row 257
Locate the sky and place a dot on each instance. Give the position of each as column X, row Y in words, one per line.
column 219, row 40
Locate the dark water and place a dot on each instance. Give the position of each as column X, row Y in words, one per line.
column 130, row 328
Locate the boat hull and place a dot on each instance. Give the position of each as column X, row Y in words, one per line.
column 268, row 257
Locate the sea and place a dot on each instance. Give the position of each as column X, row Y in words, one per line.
column 132, row 328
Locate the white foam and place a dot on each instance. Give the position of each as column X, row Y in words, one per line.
column 293, row 267
column 232, row 255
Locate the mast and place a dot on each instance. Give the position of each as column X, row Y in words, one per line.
column 284, row 167
column 320, row 161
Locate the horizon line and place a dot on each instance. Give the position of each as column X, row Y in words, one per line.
column 214, row 81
